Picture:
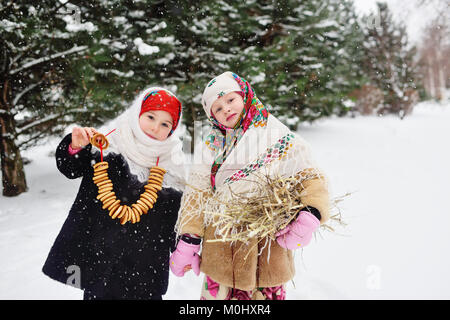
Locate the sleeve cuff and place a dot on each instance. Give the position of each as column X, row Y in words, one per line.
column 313, row 211
column 190, row 239
column 73, row 151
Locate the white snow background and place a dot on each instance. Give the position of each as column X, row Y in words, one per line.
column 396, row 244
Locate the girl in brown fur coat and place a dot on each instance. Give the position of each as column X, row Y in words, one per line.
column 245, row 140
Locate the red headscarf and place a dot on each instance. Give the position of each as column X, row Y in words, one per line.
column 165, row 101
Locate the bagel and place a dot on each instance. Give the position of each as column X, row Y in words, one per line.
column 158, row 169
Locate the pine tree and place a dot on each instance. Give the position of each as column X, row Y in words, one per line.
column 389, row 62
column 72, row 62
column 308, row 57
column 82, row 62
column 210, row 38
column 33, row 52
column 301, row 57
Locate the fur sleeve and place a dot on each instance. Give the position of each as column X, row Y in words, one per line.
column 73, row 166
column 315, row 194
column 196, row 194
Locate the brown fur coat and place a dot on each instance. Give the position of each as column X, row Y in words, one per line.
column 239, row 265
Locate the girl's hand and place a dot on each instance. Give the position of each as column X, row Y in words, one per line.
column 298, row 234
column 184, row 258
column 81, row 136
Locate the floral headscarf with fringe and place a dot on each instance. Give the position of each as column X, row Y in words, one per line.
column 223, row 140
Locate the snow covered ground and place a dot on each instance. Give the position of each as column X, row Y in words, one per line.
column 396, row 244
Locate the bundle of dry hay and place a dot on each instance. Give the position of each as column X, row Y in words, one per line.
column 263, row 212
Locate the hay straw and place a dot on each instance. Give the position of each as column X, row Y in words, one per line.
column 264, row 211
column 270, row 208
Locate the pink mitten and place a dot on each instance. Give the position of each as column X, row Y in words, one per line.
column 185, row 254
column 298, row 233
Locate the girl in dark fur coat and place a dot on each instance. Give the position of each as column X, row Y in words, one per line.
column 102, row 256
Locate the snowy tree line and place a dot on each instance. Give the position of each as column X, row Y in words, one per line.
column 65, row 62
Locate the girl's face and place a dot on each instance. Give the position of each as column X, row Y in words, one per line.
column 228, row 108
column 156, row 124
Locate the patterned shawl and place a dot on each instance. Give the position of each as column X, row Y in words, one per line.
column 223, row 140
